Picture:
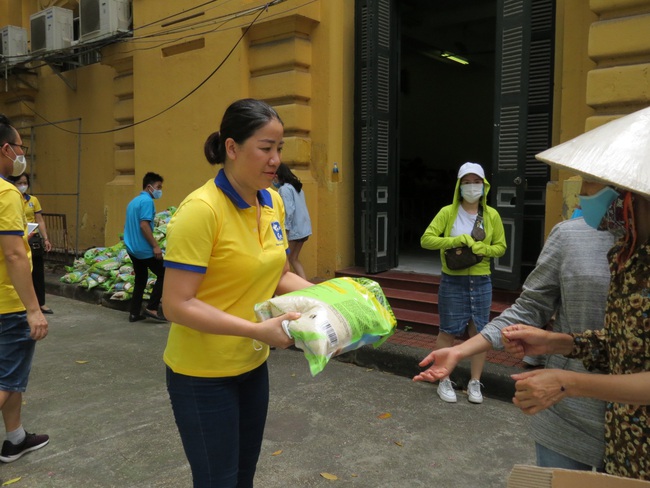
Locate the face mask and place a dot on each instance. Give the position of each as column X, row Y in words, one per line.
column 471, row 192
column 277, row 184
column 155, row 194
column 595, row 206
column 22, row 188
column 19, row 163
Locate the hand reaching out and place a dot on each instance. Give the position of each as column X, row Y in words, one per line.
column 442, row 361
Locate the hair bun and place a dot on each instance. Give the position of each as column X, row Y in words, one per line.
column 211, row 148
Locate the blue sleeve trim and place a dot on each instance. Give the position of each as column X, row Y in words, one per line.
column 185, row 267
column 12, row 233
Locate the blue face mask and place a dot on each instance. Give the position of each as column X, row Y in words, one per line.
column 155, row 193
column 594, row 207
column 277, row 184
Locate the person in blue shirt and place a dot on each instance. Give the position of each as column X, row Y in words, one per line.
column 143, row 249
column 296, row 220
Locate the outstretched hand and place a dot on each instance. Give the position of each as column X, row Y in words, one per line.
column 538, row 390
column 442, row 361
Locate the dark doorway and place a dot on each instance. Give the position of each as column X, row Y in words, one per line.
column 438, row 84
column 446, row 106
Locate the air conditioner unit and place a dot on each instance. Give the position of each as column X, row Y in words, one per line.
column 99, row 19
column 51, row 29
column 13, row 44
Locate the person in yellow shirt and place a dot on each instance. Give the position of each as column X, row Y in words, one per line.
column 226, row 251
column 21, row 320
column 38, row 240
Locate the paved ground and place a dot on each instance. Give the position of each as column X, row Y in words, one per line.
column 399, row 355
column 97, row 387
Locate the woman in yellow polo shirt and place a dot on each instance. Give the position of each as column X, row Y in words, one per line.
column 226, row 251
column 38, row 241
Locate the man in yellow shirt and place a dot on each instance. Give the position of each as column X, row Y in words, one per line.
column 21, row 320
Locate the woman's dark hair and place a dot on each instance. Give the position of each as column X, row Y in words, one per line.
column 14, row 179
column 7, row 131
column 240, row 121
column 285, row 175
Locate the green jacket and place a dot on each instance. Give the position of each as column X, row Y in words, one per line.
column 493, row 246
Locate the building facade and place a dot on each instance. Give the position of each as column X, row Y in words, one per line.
column 101, row 112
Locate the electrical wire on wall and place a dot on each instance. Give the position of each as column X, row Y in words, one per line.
column 221, row 21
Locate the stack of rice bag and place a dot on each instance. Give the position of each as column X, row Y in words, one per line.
column 110, row 268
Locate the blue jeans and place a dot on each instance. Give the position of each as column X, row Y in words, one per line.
column 547, row 458
column 221, row 423
column 16, row 351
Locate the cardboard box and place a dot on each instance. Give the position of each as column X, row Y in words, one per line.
column 534, row 477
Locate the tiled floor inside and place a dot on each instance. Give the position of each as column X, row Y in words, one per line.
column 428, row 262
column 418, row 260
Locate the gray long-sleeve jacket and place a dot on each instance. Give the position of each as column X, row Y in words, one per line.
column 570, row 281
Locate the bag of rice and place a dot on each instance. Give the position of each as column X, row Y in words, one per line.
column 338, row 315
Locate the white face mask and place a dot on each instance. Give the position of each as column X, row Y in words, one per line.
column 22, row 188
column 471, row 192
column 19, row 163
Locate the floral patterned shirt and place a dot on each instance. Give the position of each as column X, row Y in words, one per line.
column 623, row 347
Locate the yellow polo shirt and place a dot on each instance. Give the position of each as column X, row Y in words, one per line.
column 31, row 207
column 215, row 232
column 12, row 222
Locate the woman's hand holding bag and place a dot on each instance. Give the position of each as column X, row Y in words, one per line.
column 463, row 257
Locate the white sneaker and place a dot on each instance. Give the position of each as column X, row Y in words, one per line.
column 474, row 391
column 446, row 391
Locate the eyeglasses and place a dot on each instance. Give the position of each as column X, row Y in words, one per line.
column 23, row 148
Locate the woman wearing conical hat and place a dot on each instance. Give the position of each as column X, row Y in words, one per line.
column 614, row 161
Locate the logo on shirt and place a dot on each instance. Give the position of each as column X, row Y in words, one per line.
column 277, row 230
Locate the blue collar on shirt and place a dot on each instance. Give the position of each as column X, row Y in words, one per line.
column 27, row 197
column 263, row 196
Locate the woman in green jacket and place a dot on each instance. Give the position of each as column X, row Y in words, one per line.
column 465, row 295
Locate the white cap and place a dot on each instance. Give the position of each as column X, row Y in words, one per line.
column 616, row 153
column 472, row 168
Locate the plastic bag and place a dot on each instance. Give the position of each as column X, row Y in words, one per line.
column 338, row 315
column 73, row 277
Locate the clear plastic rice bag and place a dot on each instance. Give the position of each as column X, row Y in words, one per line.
column 338, row 315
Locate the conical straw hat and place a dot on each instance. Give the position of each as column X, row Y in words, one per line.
column 616, row 153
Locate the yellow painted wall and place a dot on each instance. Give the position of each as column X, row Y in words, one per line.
column 297, row 56
column 300, row 58
column 603, row 52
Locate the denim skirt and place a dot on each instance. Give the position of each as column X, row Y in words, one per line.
column 461, row 299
